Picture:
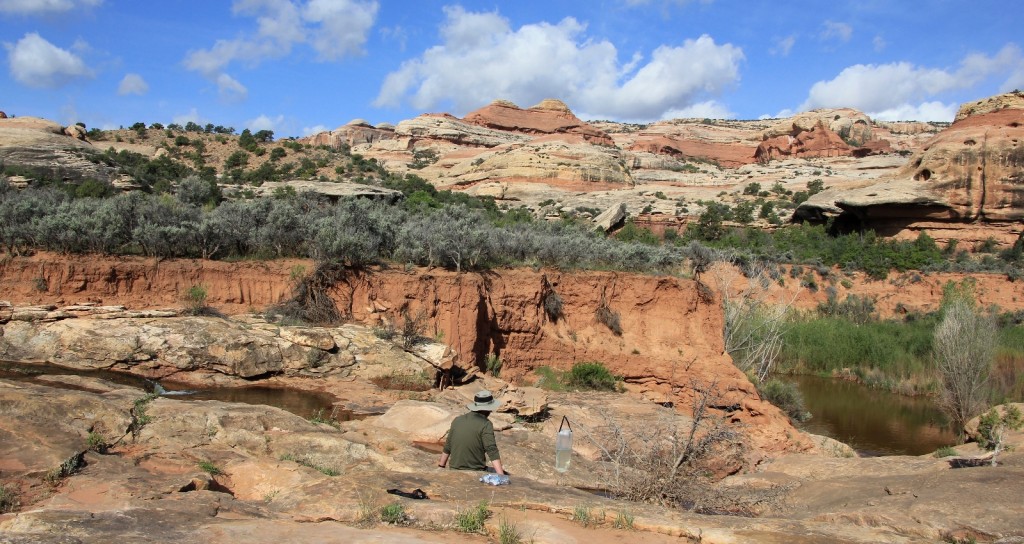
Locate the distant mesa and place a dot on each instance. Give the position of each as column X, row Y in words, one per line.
column 550, row 116
column 821, row 133
column 359, row 123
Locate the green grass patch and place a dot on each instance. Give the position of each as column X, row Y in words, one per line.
column 307, row 461
column 583, row 515
column 827, row 345
column 508, row 532
column 945, row 451
column 591, row 376
column 209, row 467
column 394, row 514
column 472, row 520
column 891, row 354
column 549, row 379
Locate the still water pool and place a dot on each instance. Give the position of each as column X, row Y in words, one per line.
column 873, row 421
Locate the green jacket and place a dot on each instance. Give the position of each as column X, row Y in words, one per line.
column 469, row 439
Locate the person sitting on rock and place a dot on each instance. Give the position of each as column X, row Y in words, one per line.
column 470, row 440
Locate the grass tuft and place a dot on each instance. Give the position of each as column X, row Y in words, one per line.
column 508, row 532
column 212, row 469
column 472, row 520
column 394, row 514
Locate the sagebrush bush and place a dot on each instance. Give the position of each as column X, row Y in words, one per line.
column 593, row 376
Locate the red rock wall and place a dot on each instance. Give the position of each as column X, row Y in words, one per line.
column 669, row 338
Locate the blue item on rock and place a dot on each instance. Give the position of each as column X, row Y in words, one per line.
column 494, row 479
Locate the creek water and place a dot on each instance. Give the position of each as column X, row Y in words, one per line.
column 302, row 403
column 873, row 421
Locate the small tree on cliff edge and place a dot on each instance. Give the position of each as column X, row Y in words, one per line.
column 964, row 349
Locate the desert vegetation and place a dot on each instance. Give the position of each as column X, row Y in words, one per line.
column 912, row 354
column 442, row 230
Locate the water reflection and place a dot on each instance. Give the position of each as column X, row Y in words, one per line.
column 873, row 421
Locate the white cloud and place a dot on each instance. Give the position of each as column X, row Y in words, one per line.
column 36, row 7
column 344, row 25
column 265, row 122
column 783, row 46
column 710, row 109
column 192, row 115
column 230, row 90
column 132, row 84
column 902, row 89
column 927, row 111
column 481, row 58
column 833, row 30
column 317, row 129
column 35, row 62
column 878, row 43
column 333, row 28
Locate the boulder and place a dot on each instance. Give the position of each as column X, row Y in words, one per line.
column 76, row 131
column 612, row 217
column 420, row 421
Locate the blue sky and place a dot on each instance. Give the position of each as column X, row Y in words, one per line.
column 297, row 66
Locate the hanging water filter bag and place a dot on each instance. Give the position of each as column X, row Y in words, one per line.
column 563, row 446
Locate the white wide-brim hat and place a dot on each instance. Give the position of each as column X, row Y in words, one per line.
column 484, row 401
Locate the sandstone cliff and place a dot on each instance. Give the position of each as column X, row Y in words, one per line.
column 670, row 336
column 972, row 172
column 38, row 145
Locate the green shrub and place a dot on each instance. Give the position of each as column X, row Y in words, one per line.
column 97, row 443
column 493, row 364
column 9, row 499
column 195, row 300
column 991, row 425
column 786, row 396
column 944, row 451
column 594, row 376
column 857, row 309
